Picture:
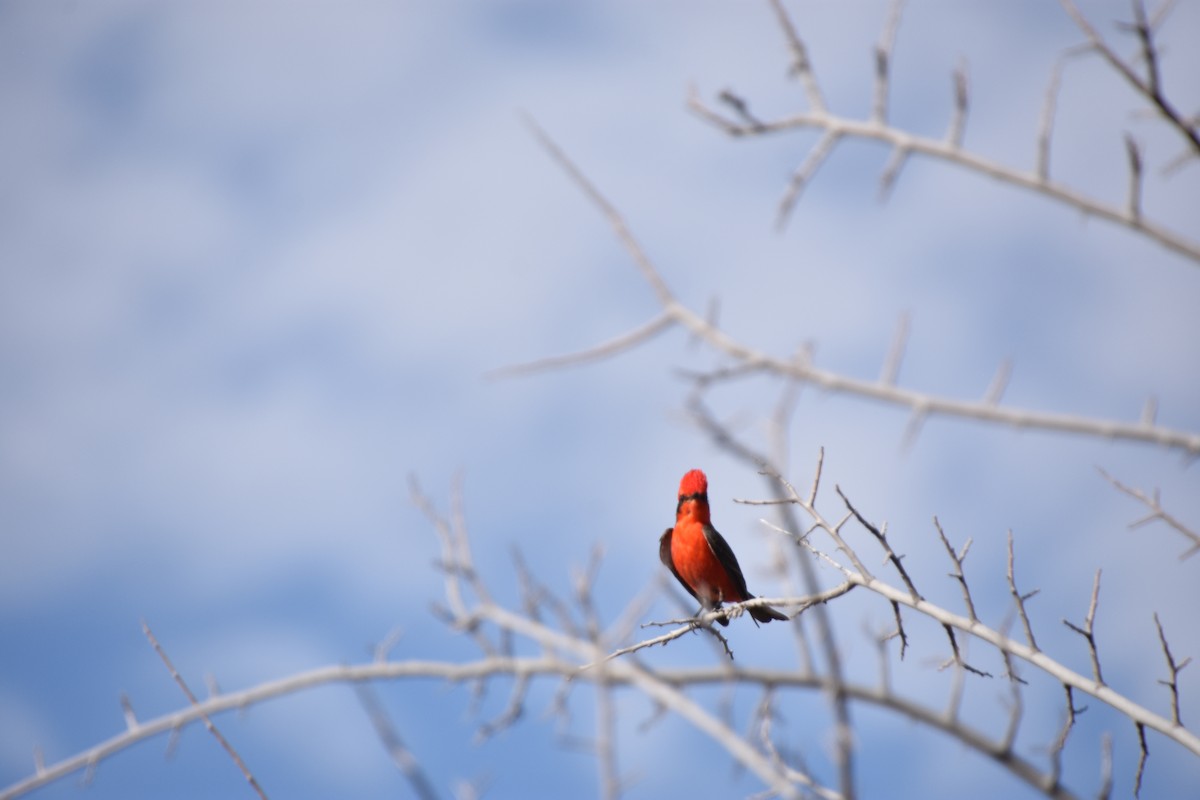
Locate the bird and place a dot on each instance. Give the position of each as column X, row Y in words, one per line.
column 700, row 558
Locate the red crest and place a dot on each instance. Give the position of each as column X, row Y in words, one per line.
column 693, row 483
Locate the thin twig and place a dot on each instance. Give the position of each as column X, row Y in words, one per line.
column 803, row 174
column 958, row 122
column 1152, row 501
column 1150, row 87
column 390, row 737
column 801, row 66
column 208, row 723
column 999, row 383
column 1046, row 123
column 606, row 726
column 1018, row 706
column 1020, row 598
column 891, row 171
column 1060, row 742
column 612, row 347
column 958, row 559
column 131, row 720
column 883, row 542
column 1172, row 683
column 1143, row 754
column 1133, row 202
column 1088, row 632
column 891, row 366
column 513, row 710
column 615, row 220
column 956, row 657
column 1106, row 766
column 883, row 59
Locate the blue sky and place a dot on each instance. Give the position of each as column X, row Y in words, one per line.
column 256, row 265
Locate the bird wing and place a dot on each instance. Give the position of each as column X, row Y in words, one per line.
column 724, row 553
column 664, row 555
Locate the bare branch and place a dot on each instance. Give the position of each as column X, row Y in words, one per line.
column 706, row 619
column 999, row 383
column 1046, row 124
column 1087, row 631
column 615, row 220
column 883, row 58
column 891, row 171
column 958, row 575
column 384, row 649
column 958, row 123
column 208, row 723
column 1150, row 411
column 956, row 655
column 1141, row 27
column 899, row 632
column 835, row 127
column 456, row 571
column 826, row 636
column 803, row 174
column 457, row 672
column 1056, row 750
column 1173, row 682
column 801, row 66
column 916, row 422
column 891, row 367
column 511, row 713
column 812, row 494
column 1020, row 598
column 1150, row 87
column 1144, row 753
column 657, row 689
column 1017, row 707
column 1153, row 503
column 1106, row 782
column 883, row 542
column 740, row 107
column 1134, row 203
column 1038, row 658
column 957, row 682
column 606, row 747
column 803, row 371
column 131, row 721
column 612, row 347
column 780, row 422
column 399, row 753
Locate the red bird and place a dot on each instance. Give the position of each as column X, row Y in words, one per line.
column 700, row 558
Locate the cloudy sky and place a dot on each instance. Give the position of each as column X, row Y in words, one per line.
column 256, row 261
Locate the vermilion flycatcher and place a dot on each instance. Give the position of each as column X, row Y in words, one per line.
column 700, row 558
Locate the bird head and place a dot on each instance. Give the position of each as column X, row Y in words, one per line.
column 693, row 483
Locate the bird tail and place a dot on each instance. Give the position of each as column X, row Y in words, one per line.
column 765, row 614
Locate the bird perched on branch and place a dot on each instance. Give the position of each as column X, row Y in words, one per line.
column 700, row 558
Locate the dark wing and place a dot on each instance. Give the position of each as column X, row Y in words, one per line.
column 724, row 554
column 664, row 555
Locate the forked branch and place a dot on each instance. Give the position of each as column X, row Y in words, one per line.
column 835, row 128
column 802, row 370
